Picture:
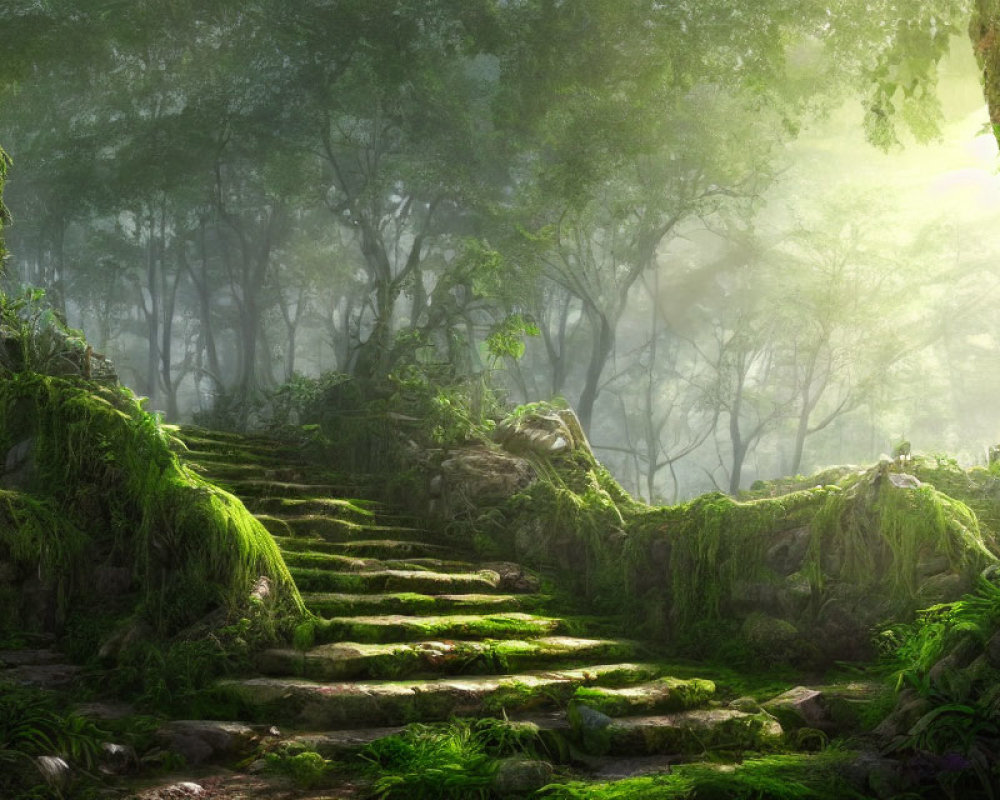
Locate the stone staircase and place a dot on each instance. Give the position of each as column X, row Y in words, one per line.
column 411, row 629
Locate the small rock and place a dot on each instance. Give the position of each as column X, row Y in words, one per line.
column 118, row 759
column 199, row 741
column 520, row 776
column 799, row 707
column 513, row 578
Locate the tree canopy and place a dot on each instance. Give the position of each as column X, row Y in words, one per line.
column 224, row 193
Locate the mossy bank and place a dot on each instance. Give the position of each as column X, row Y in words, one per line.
column 98, row 514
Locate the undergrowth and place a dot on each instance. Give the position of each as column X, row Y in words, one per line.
column 99, row 459
column 777, row 777
column 44, row 753
column 457, row 760
column 947, row 658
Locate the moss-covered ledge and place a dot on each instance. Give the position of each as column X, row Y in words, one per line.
column 96, row 511
column 805, row 575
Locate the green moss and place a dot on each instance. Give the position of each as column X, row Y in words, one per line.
column 666, row 694
column 388, row 629
column 777, row 777
column 882, row 533
column 102, row 461
column 307, row 769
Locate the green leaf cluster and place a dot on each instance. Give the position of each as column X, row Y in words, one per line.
column 32, row 727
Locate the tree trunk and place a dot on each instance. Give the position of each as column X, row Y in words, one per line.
column 984, row 31
column 736, row 473
column 603, row 344
column 152, row 309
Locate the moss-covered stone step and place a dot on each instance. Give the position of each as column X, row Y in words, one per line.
column 312, row 579
column 224, row 472
column 331, row 561
column 334, row 528
column 261, row 487
column 403, row 628
column 312, row 526
column 209, row 457
column 664, row 694
column 353, row 660
column 233, row 452
column 682, row 733
column 315, row 705
column 343, row 604
column 339, row 561
column 370, row 548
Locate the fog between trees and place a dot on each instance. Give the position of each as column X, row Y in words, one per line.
column 742, row 240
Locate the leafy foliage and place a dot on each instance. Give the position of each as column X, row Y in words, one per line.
column 456, row 760
column 101, row 460
column 34, row 339
column 31, row 727
column 935, row 656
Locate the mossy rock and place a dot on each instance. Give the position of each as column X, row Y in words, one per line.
column 665, row 694
column 107, row 465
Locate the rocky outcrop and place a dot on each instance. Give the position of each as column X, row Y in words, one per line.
column 799, row 577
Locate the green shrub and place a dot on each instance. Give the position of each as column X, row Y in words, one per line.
column 30, row 727
column 458, row 759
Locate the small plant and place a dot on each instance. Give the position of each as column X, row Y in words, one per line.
column 33, row 338
column 307, row 769
column 35, row 738
column 456, row 760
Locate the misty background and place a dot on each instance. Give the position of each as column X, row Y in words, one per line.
column 728, row 266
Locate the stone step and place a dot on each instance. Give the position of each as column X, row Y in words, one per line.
column 260, row 487
column 401, row 628
column 664, row 694
column 331, row 561
column 685, row 733
column 310, row 704
column 240, row 451
column 335, row 528
column 340, row 562
column 333, row 604
column 374, row 548
column 222, row 472
column 660, row 740
column 311, row 579
column 354, row 660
